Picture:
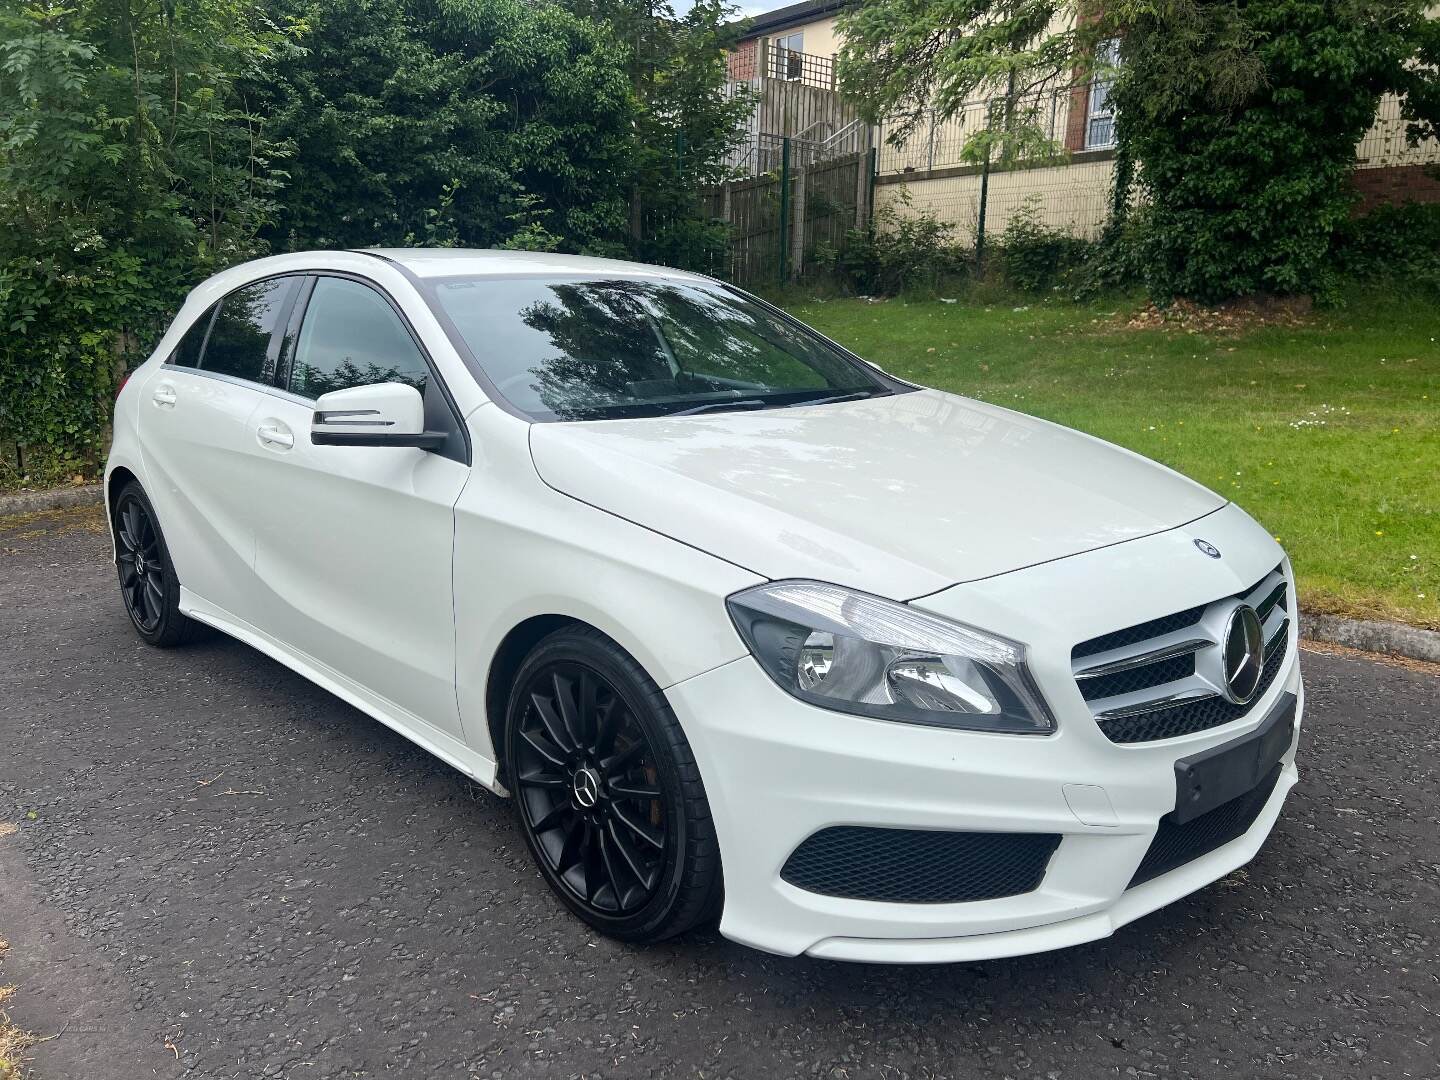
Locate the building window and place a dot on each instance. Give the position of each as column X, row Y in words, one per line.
column 789, row 56
column 1100, row 122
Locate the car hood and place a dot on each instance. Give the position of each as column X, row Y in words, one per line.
column 898, row 496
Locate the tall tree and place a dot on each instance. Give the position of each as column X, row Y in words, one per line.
column 477, row 122
column 687, row 122
column 131, row 165
column 1247, row 197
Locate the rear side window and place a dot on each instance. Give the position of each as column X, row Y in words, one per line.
column 187, row 353
column 352, row 337
column 240, row 340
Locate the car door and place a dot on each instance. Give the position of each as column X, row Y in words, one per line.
column 195, row 439
column 353, row 544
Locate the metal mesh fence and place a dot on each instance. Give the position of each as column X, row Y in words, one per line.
column 936, row 141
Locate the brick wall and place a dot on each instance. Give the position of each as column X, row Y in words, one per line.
column 1395, row 184
column 742, row 60
column 1077, row 116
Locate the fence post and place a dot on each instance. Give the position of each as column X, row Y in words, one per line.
column 864, row 183
column 797, row 212
column 980, row 225
column 872, row 171
column 783, row 226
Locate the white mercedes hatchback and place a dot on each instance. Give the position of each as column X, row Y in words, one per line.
column 745, row 626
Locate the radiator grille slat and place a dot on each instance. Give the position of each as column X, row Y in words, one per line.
column 1185, row 698
column 1193, row 716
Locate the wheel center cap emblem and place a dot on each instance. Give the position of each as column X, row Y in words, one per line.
column 585, row 787
column 1244, row 654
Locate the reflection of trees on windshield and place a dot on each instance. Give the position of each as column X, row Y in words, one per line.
column 606, row 347
column 631, row 342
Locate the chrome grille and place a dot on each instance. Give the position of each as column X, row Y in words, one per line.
column 1163, row 678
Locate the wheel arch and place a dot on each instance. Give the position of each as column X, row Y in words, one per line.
column 114, row 484
column 115, row 481
column 517, row 644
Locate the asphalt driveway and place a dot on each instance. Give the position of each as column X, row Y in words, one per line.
column 218, row 870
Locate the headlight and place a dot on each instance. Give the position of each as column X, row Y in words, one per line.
column 860, row 654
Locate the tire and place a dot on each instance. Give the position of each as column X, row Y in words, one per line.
column 630, row 847
column 152, row 597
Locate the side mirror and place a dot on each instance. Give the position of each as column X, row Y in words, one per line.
column 380, row 414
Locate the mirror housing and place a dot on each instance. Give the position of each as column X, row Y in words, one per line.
column 378, row 414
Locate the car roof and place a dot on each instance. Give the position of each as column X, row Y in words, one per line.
column 486, row 262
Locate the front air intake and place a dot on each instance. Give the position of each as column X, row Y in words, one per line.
column 1176, row 844
column 919, row 866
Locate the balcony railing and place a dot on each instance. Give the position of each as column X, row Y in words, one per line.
column 805, row 68
column 772, row 62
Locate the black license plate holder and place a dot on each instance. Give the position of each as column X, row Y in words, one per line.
column 1205, row 780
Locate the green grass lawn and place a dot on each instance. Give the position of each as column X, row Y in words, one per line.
column 1328, row 432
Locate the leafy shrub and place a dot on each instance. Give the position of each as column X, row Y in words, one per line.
column 1034, row 256
column 897, row 253
column 130, row 169
column 1392, row 241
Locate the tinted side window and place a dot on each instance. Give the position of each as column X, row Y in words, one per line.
column 187, row 353
column 351, row 337
column 240, row 339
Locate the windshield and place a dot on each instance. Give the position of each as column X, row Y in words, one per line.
column 574, row 349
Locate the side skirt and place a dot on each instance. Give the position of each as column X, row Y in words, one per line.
column 428, row 737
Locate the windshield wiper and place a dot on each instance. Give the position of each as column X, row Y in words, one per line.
column 718, row 406
column 853, row 395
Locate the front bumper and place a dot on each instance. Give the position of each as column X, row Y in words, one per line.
column 778, row 770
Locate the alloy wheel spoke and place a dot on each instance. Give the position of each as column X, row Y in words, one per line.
column 607, row 725
column 643, row 831
column 606, row 843
column 571, row 851
column 632, row 858
column 628, row 789
column 152, row 607
column 587, row 692
column 135, row 524
column 544, row 747
column 547, row 780
column 594, row 868
column 553, row 817
column 554, row 727
column 565, row 700
column 617, row 762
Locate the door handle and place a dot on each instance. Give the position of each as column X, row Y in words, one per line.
column 164, row 396
column 271, row 435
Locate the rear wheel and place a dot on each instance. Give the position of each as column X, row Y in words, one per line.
column 607, row 790
column 147, row 577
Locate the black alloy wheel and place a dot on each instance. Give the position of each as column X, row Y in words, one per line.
column 147, row 580
column 141, row 566
column 607, row 792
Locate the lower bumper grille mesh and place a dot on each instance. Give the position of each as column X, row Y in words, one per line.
column 1175, row 845
column 919, row 866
